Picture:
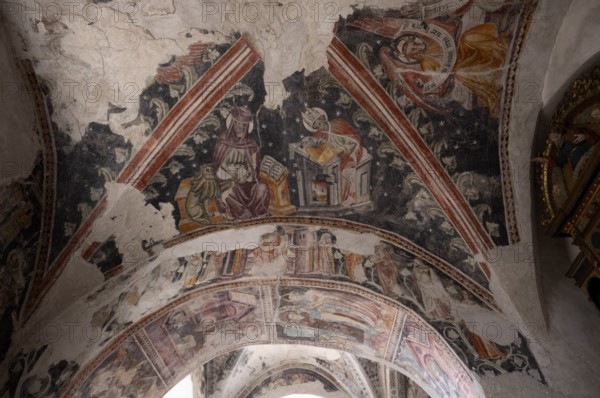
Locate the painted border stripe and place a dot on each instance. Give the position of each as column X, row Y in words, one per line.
column 195, row 115
column 173, row 125
column 214, row 83
column 398, row 240
column 228, row 67
column 371, row 96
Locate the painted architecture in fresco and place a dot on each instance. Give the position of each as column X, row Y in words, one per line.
column 309, row 252
column 325, row 151
column 321, row 316
column 401, row 137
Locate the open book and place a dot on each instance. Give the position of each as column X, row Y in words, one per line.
column 272, row 168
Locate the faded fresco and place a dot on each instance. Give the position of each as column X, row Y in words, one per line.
column 421, row 353
column 312, row 254
column 445, row 72
column 235, row 179
column 125, row 373
column 212, row 323
column 303, row 252
column 23, row 381
column 334, row 318
column 290, row 377
column 20, row 223
column 277, row 370
column 80, row 189
column 218, row 369
column 374, row 373
column 416, row 153
column 186, row 331
column 105, row 153
column 324, row 152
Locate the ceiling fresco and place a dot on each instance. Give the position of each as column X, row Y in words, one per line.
column 293, row 251
column 270, row 378
column 235, row 315
column 289, row 377
column 369, row 197
column 444, row 162
column 196, row 204
column 323, row 296
column 275, row 371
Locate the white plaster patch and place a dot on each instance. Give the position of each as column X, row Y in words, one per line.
column 487, row 324
column 131, row 220
column 239, row 238
column 222, row 241
column 19, row 144
column 292, row 34
column 157, row 7
column 98, row 57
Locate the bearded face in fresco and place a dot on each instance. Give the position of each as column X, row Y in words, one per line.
column 321, row 124
column 240, row 129
column 409, row 48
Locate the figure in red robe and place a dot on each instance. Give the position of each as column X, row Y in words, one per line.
column 344, row 140
column 236, row 163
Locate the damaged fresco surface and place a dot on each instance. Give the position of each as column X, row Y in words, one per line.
column 193, row 332
column 393, row 136
column 258, row 370
column 323, row 151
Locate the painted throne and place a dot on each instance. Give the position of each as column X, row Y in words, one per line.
column 319, row 175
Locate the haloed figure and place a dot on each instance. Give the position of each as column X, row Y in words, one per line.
column 410, row 49
column 344, row 140
column 236, row 163
column 417, row 64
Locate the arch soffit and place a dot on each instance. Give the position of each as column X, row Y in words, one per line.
column 156, row 350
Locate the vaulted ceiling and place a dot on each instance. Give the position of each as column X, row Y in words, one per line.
column 196, row 165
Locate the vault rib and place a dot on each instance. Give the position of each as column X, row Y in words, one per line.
column 168, row 135
column 368, row 93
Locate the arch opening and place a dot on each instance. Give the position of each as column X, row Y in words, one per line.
column 167, row 345
column 594, row 291
column 183, row 389
column 285, row 276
